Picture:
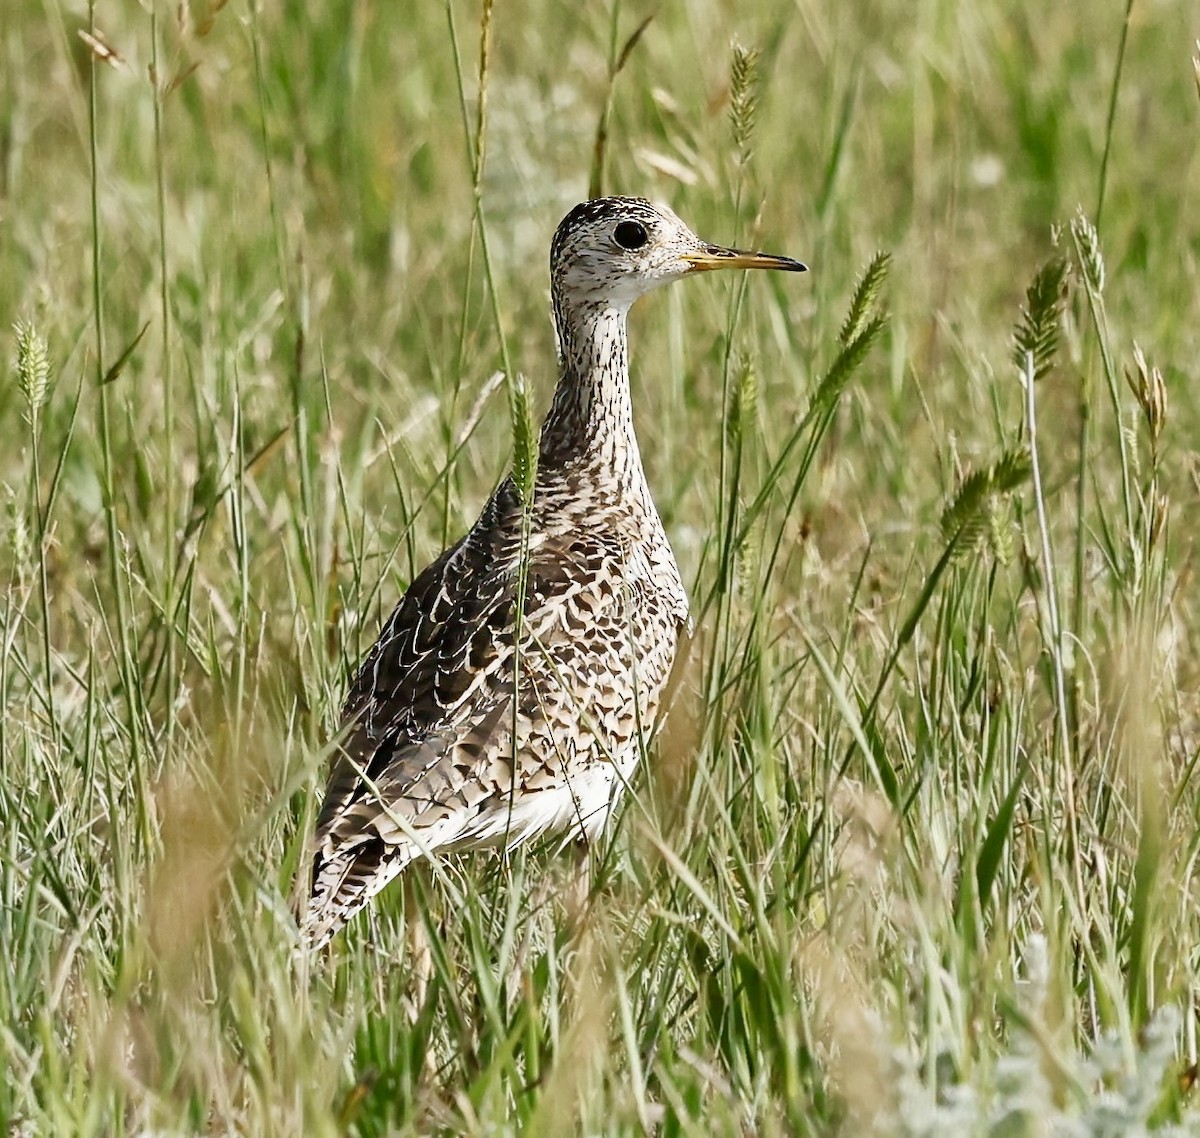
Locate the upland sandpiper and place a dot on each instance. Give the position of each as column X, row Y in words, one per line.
column 447, row 742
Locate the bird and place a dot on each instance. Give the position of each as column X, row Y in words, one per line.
column 516, row 684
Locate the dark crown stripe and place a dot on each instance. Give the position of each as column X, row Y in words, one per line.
column 589, row 212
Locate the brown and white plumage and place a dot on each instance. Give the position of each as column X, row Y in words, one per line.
column 446, row 744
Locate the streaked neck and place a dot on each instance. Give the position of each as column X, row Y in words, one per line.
column 590, row 422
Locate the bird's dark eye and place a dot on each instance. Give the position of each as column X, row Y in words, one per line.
column 631, row 235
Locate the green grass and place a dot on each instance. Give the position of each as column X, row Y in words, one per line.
column 915, row 852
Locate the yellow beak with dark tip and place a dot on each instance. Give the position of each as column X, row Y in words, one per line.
column 718, row 257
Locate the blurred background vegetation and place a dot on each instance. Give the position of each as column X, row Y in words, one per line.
column 916, row 850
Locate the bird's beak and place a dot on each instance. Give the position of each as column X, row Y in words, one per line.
column 718, row 257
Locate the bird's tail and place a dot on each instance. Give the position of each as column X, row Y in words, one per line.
column 345, row 883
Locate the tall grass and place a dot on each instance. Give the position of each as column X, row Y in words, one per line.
column 914, row 853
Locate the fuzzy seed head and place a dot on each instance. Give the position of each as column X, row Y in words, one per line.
column 32, row 365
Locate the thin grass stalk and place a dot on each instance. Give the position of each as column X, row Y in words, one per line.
column 354, row 536
column 241, row 544
column 117, row 575
column 469, row 275
column 1111, row 119
column 524, row 448
column 1088, row 252
column 618, row 56
column 600, row 148
column 1056, row 638
column 170, row 463
column 731, row 451
column 301, row 425
column 33, row 376
column 1079, row 567
column 260, row 87
column 476, row 157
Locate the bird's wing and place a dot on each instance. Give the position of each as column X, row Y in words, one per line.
column 425, row 708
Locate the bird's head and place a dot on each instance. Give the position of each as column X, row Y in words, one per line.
column 612, row 250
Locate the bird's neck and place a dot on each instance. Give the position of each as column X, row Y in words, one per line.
column 590, row 421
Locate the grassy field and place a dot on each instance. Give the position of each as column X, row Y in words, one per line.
column 916, row 852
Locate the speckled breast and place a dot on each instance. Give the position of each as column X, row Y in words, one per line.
column 603, row 612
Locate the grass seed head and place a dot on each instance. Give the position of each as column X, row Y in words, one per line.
column 32, row 365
